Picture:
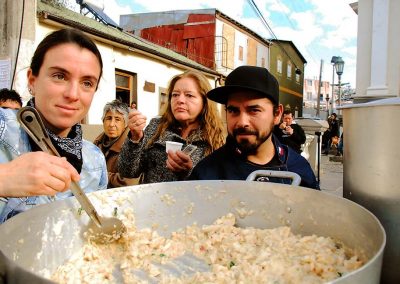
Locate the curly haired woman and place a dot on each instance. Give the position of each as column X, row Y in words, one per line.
column 189, row 118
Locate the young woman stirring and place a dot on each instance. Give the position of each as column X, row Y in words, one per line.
column 63, row 77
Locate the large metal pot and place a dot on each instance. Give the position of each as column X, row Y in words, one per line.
column 371, row 168
column 44, row 237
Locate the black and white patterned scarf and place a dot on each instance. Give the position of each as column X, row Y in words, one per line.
column 69, row 147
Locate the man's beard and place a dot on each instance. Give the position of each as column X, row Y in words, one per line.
column 245, row 146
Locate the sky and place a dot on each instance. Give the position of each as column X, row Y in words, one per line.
column 319, row 29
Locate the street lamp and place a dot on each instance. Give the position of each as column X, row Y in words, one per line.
column 333, row 62
column 339, row 65
column 327, row 106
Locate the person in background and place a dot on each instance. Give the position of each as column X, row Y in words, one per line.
column 332, row 133
column 115, row 124
column 290, row 133
column 10, row 99
column 63, row 77
column 133, row 105
column 251, row 98
column 189, row 119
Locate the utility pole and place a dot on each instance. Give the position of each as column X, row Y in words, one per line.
column 319, row 88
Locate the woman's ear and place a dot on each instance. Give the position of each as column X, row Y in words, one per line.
column 31, row 81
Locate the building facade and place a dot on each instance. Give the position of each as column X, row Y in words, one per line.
column 206, row 36
column 287, row 65
column 311, row 93
column 219, row 42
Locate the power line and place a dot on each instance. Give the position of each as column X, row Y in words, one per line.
column 258, row 12
column 299, row 10
column 286, row 15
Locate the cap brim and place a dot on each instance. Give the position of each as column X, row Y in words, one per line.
column 221, row 94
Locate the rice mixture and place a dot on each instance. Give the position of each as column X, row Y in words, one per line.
column 234, row 255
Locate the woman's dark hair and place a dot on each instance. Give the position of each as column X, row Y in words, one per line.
column 61, row 37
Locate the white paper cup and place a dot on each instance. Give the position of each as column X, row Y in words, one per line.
column 173, row 146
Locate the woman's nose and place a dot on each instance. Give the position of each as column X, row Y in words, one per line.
column 180, row 98
column 113, row 122
column 72, row 90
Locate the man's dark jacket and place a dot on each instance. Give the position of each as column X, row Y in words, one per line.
column 295, row 140
column 334, row 128
column 226, row 163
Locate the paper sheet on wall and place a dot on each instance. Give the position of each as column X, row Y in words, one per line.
column 5, row 73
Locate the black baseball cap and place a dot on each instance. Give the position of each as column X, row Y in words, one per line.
column 250, row 78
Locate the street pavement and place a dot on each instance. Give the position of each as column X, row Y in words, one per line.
column 331, row 175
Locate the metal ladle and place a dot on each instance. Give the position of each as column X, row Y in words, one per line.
column 102, row 229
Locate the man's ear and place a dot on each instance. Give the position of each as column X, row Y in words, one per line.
column 278, row 110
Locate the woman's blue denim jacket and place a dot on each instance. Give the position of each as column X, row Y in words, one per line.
column 14, row 142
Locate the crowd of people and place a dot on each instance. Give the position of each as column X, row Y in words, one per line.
column 63, row 77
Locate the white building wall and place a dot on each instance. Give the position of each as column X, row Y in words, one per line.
column 149, row 70
column 106, row 89
column 240, row 40
column 262, row 52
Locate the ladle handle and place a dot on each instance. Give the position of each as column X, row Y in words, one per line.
column 32, row 123
column 85, row 203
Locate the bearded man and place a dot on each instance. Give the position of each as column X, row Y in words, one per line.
column 251, row 98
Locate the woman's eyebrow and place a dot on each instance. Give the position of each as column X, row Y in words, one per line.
column 63, row 70
column 58, row 68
